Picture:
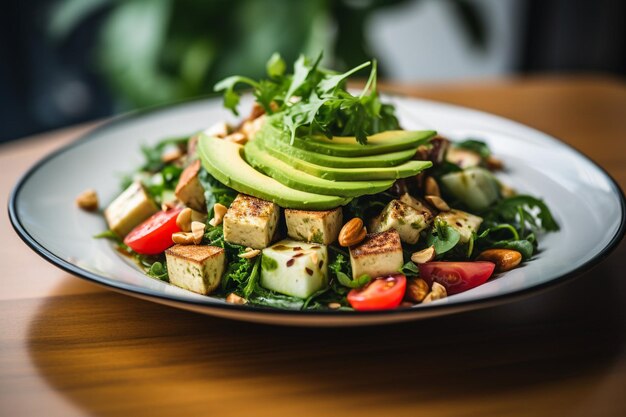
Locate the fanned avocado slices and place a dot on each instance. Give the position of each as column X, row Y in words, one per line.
column 347, row 146
column 294, row 178
column 402, row 170
column 224, row 161
column 270, row 138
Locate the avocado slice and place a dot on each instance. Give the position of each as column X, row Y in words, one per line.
column 404, row 170
column 380, row 143
column 224, row 161
column 271, row 140
column 294, row 178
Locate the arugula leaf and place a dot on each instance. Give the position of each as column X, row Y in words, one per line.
column 276, row 66
column 231, row 97
column 324, row 106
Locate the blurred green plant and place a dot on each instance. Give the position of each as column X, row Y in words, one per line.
column 156, row 51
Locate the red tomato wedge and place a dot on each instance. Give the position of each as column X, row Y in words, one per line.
column 457, row 276
column 383, row 293
column 155, row 234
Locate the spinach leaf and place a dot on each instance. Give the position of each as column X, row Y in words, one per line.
column 409, row 269
column 215, row 191
column 475, row 145
column 528, row 212
column 443, row 237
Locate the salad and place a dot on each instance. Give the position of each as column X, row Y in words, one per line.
column 318, row 199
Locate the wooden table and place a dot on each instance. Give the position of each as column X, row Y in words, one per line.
column 68, row 347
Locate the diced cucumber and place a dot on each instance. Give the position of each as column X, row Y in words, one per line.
column 475, row 187
column 295, row 268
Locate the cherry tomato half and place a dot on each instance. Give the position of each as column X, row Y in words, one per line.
column 383, row 293
column 457, row 276
column 155, row 234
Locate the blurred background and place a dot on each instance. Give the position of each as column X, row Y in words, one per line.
column 63, row 62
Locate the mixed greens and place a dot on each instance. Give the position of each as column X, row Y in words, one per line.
column 455, row 220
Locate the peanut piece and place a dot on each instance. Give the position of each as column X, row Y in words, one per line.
column 423, row 256
column 182, row 238
column 437, row 202
column 87, row 200
column 437, row 292
column 197, row 230
column 237, row 137
column 235, row 299
column 219, row 210
column 431, row 187
column 183, row 221
column 352, row 233
column 334, row 306
column 505, row 259
column 416, row 290
column 249, row 254
column 171, row 156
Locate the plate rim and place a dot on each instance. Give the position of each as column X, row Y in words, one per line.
column 162, row 297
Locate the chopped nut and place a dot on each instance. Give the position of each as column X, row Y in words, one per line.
column 506, row 191
column 171, row 156
column 237, row 137
column 421, row 154
column 352, row 233
column 197, row 230
column 437, row 202
column 494, row 164
column 431, row 187
column 505, row 259
column 437, row 292
column 219, row 210
column 334, row 306
column 249, row 254
column 235, row 299
column 423, row 256
column 183, row 238
column 218, row 130
column 88, row 200
column 416, row 290
column 197, row 216
column 183, row 221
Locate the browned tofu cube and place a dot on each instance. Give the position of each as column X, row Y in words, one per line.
column 379, row 254
column 196, row 268
column 189, row 190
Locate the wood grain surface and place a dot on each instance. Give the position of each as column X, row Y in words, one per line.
column 71, row 348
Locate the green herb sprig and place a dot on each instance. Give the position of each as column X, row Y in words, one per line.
column 315, row 101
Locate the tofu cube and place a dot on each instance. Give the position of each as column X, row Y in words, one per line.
column 464, row 223
column 295, row 268
column 196, row 268
column 189, row 190
column 314, row 226
column 418, row 205
column 378, row 255
column 400, row 216
column 129, row 209
column 251, row 222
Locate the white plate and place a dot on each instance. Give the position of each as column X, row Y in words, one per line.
column 585, row 201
